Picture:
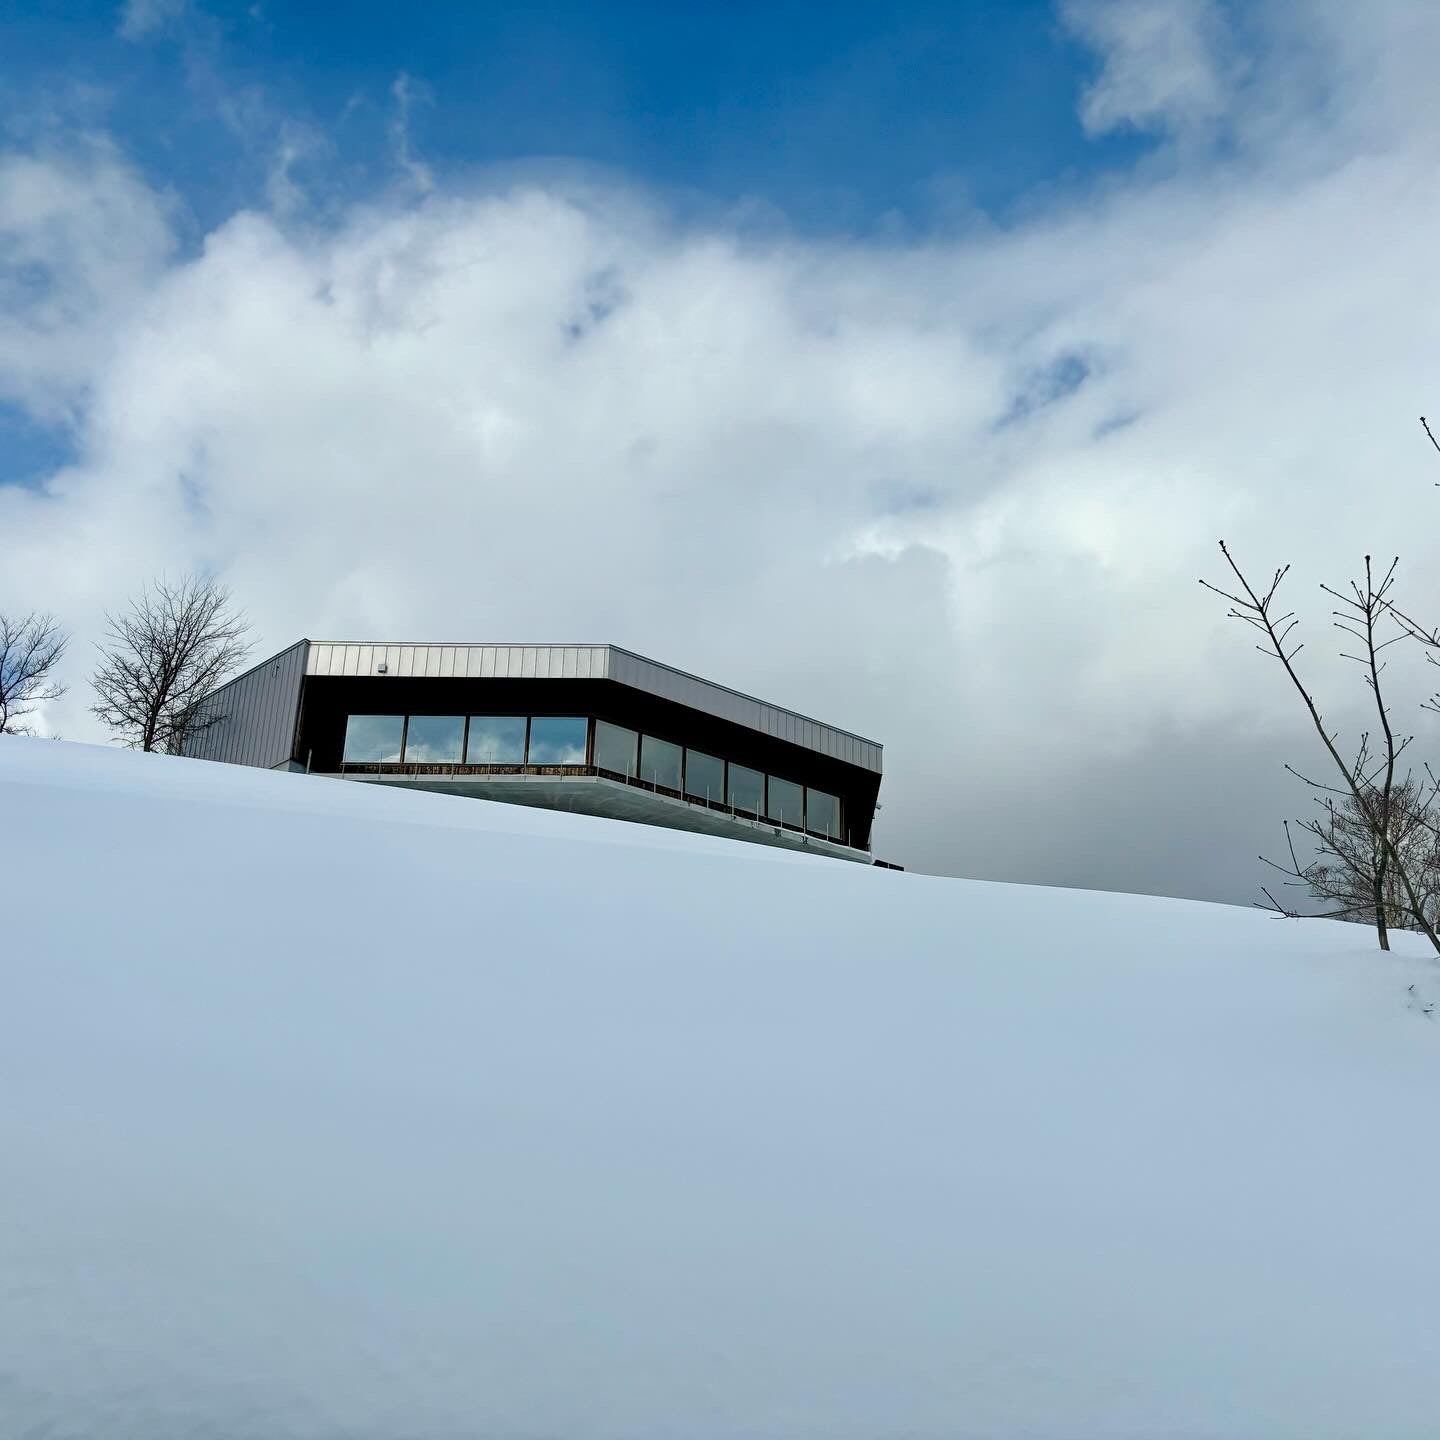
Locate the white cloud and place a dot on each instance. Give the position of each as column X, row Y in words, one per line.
column 955, row 496
column 139, row 18
column 1164, row 63
column 407, row 95
column 82, row 242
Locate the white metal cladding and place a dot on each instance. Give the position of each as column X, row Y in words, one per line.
column 592, row 662
column 258, row 713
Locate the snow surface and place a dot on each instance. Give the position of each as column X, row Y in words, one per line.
column 333, row 1111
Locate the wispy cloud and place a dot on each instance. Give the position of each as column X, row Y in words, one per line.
column 1165, row 64
column 139, row 18
column 407, row 96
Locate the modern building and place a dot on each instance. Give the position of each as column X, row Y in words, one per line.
column 590, row 728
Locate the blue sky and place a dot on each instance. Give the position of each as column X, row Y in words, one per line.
column 842, row 117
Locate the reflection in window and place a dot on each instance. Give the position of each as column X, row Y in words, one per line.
column 747, row 790
column 557, row 740
column 660, row 762
column 496, row 740
column 786, row 802
column 615, row 747
column 822, row 813
column 433, row 739
column 373, row 739
column 704, row 775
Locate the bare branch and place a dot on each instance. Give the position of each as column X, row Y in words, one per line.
column 1368, row 793
column 174, row 645
column 30, row 651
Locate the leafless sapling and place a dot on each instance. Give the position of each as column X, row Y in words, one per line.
column 1369, row 780
column 1345, row 870
column 30, row 652
column 162, row 656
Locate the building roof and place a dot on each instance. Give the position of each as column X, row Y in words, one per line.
column 590, row 662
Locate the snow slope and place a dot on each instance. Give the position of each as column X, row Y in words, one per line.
column 330, row 1111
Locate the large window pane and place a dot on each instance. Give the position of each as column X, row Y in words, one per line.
column 433, row 739
column 822, row 813
column 615, row 747
column 557, row 739
column 496, row 740
column 660, row 762
column 785, row 802
column 747, row 789
column 704, row 775
column 373, row 739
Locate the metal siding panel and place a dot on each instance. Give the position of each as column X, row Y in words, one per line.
column 447, row 661
column 352, row 657
column 259, row 710
column 542, row 662
column 527, row 663
column 365, row 663
column 487, row 662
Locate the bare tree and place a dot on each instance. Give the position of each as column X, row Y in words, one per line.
column 30, row 651
column 1347, row 869
column 163, row 656
column 1368, row 782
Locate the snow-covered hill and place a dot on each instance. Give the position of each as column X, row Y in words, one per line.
column 329, row 1111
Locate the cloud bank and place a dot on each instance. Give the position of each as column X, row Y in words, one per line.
column 952, row 493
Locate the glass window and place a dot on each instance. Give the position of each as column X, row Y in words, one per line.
column 660, row 762
column 747, row 789
column 557, row 739
column 496, row 740
column 822, row 813
column 615, row 747
column 432, row 739
column 704, row 776
column 786, row 802
column 373, row 739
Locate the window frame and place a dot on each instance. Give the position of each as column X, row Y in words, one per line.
column 464, row 739
column 596, row 722
column 839, row 815
column 374, row 715
column 730, row 767
column 688, row 793
column 775, row 820
column 587, row 749
column 640, row 764
column 491, row 715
